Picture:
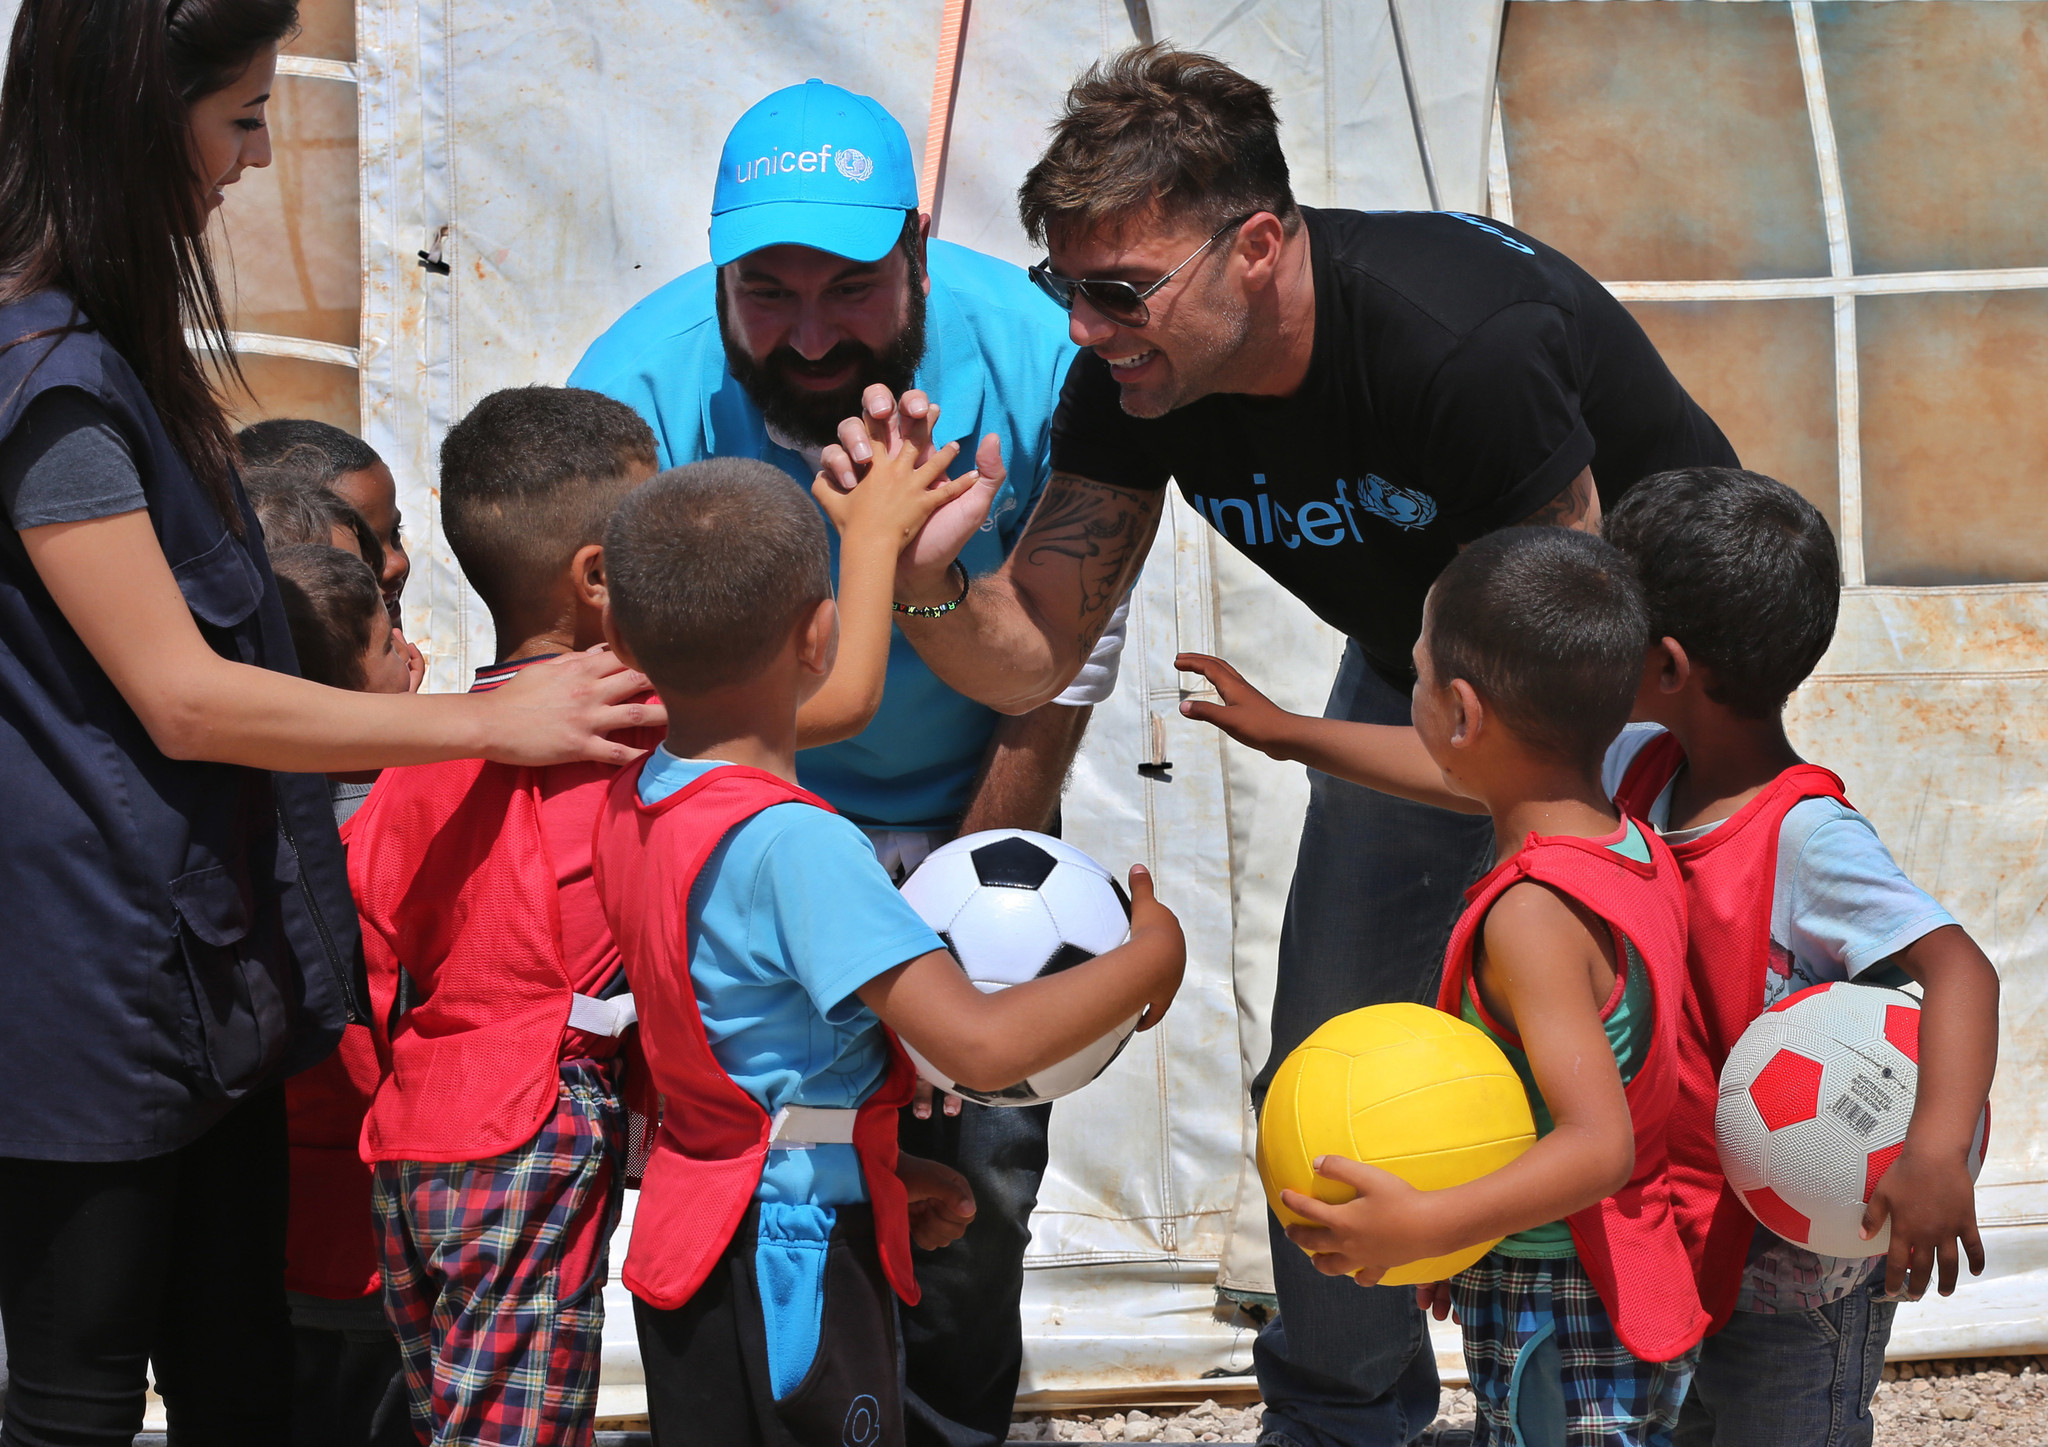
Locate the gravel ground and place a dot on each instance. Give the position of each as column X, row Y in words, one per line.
column 2001, row 1400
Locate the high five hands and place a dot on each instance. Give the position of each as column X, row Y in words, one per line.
column 887, row 422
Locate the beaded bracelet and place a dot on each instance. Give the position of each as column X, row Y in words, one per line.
column 937, row 610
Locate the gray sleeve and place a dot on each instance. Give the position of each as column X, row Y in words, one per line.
column 65, row 462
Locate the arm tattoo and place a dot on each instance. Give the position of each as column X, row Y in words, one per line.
column 1103, row 529
column 1577, row 507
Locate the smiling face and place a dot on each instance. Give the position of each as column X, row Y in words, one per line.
column 385, row 668
column 229, row 134
column 374, row 493
column 805, row 331
column 1199, row 320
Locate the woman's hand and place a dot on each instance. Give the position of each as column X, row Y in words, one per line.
column 110, row 579
column 561, row 711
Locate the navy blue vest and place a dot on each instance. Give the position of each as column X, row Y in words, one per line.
column 176, row 934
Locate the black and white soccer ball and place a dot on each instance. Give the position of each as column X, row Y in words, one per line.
column 1014, row 906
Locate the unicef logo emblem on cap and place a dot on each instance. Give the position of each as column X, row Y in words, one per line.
column 853, row 165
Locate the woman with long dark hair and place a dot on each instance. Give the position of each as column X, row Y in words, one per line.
column 179, row 933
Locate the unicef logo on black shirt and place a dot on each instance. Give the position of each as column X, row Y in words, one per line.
column 1404, row 507
column 1263, row 518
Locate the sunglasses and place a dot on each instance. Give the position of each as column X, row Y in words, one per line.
column 1119, row 301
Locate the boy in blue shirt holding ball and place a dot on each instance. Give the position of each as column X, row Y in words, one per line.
column 771, row 960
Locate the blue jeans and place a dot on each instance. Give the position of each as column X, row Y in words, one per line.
column 1377, row 886
column 963, row 1343
column 1790, row 1378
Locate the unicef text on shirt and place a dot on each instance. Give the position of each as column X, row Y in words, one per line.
column 853, row 165
column 1264, row 519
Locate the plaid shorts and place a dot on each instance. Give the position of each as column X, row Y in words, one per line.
column 1546, row 1366
column 494, row 1275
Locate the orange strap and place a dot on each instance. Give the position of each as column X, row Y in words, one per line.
column 945, row 73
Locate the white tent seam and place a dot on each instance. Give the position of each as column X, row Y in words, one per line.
column 1835, row 213
column 314, row 67
column 1788, row 288
column 268, row 344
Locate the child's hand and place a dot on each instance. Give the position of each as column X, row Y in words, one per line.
column 1245, row 714
column 897, row 495
column 941, row 1201
column 415, row 665
column 1932, row 1204
column 1435, row 1298
column 1386, row 1226
column 927, row 1093
column 1150, row 916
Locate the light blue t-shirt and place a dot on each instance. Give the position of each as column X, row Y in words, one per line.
column 996, row 356
column 789, row 917
column 1839, row 905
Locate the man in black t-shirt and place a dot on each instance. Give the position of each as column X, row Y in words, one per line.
column 1349, row 398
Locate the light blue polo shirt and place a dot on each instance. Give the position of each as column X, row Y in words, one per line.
column 996, row 357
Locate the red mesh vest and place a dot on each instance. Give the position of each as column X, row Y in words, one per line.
column 1730, row 874
column 1628, row 1243
column 454, row 885
column 713, row 1141
column 330, row 1235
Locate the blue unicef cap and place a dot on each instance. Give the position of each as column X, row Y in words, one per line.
column 817, row 166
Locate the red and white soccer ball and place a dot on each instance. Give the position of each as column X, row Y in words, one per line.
column 1815, row 1100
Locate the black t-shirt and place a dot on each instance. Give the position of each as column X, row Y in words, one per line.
column 1462, row 375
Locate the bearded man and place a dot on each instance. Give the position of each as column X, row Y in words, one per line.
column 822, row 283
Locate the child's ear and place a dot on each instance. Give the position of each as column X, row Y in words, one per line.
column 1468, row 714
column 1669, row 665
column 817, row 644
column 586, row 576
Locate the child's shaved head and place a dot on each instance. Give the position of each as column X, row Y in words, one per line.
column 1549, row 627
column 531, row 475
column 710, row 566
column 1741, row 570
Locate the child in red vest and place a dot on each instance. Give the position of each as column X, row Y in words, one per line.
column 1581, row 1324
column 1788, row 887
column 348, row 1389
column 774, row 965
column 497, row 1132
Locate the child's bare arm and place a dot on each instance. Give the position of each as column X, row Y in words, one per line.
column 1928, row 1192
column 1385, row 757
column 875, row 521
column 1539, row 958
column 989, row 1042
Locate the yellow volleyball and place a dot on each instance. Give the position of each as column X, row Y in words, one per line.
column 1402, row 1087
